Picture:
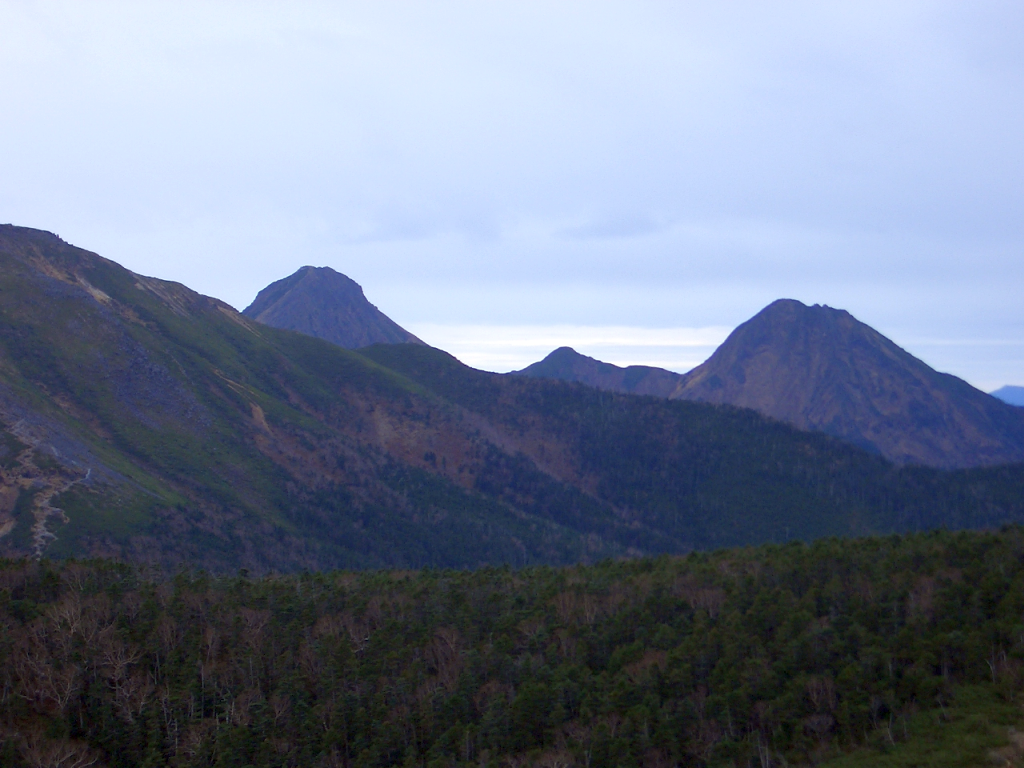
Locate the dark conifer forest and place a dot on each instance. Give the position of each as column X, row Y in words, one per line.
column 898, row 650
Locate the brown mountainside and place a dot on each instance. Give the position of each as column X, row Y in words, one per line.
column 820, row 368
column 320, row 302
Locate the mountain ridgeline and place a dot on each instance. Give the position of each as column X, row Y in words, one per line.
column 320, row 302
column 566, row 364
column 820, row 369
column 144, row 421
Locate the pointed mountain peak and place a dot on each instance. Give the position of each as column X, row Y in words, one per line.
column 820, row 368
column 321, row 302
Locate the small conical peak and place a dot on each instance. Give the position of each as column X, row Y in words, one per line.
column 321, row 302
column 563, row 353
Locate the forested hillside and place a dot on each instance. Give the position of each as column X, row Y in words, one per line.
column 703, row 476
column 891, row 651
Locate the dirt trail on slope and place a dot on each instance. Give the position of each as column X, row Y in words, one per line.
column 44, row 483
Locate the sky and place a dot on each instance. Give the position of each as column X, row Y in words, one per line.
column 633, row 179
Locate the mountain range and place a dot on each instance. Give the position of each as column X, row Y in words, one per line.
column 821, row 369
column 142, row 420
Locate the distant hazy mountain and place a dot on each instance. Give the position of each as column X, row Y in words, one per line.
column 819, row 368
column 1010, row 394
column 320, row 302
column 566, row 364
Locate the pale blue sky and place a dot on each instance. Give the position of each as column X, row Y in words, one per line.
column 535, row 168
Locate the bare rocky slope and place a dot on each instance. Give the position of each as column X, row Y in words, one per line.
column 320, row 302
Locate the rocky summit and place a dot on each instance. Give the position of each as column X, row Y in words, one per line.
column 820, row 368
column 320, row 302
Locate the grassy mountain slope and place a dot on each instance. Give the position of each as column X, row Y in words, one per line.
column 224, row 441
column 145, row 421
